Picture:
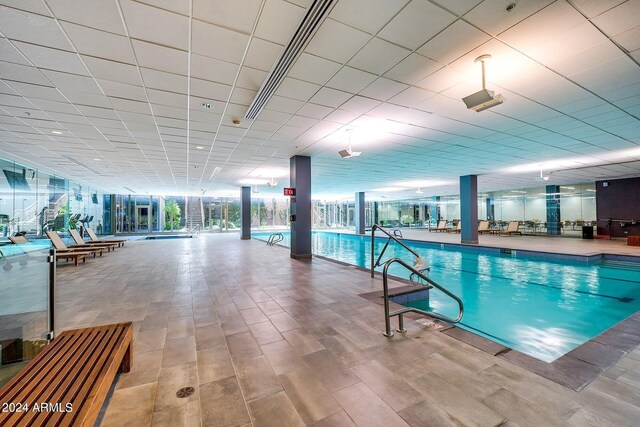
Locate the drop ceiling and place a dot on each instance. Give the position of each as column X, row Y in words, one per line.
column 122, row 83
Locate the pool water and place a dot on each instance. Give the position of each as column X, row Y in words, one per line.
column 541, row 307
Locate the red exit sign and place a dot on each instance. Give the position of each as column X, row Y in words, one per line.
column 289, row 191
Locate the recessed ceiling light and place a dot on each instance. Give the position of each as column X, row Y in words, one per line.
column 56, row 132
column 207, row 105
column 199, row 147
column 97, row 160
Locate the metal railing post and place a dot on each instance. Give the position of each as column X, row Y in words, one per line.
column 385, row 290
column 52, row 288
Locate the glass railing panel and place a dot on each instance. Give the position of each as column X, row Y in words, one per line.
column 24, row 304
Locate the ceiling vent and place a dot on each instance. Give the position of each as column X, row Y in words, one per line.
column 312, row 20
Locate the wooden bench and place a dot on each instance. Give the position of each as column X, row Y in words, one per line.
column 68, row 382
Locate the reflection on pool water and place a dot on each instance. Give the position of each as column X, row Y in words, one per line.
column 541, row 307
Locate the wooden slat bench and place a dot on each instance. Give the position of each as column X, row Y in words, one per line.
column 68, row 382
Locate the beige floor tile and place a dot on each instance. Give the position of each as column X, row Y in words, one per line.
column 274, row 411
column 310, row 398
column 367, row 409
column 132, row 403
column 221, row 404
column 256, row 378
column 265, row 333
column 187, row 415
column 214, row 363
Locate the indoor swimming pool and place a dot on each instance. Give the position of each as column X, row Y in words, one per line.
column 540, row 306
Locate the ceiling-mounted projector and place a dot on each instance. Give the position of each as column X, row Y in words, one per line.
column 346, row 154
column 483, row 99
column 541, row 178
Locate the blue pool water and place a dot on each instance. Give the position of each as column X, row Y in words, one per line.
column 541, row 307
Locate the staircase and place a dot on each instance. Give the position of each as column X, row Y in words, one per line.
column 195, row 212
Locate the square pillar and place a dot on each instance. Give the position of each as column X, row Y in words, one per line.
column 359, row 220
column 553, row 210
column 469, row 208
column 245, row 213
column 300, row 177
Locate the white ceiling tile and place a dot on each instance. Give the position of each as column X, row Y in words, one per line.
column 455, row 41
column 102, row 15
column 413, row 69
column 177, row 6
column 314, row 111
column 71, row 81
column 313, row 69
column 360, row 104
column 210, row 90
column 161, row 58
column 218, row 42
column 593, row 8
column 297, row 89
column 351, row 80
column 92, row 42
column 19, row 25
column 378, row 56
column 35, row 6
column 283, row 104
column 36, row 91
column 130, row 106
column 366, row 15
column 262, row 54
column 9, row 53
column 336, row 41
column 619, row 19
column 250, row 78
column 227, row 13
column 156, row 25
column 111, row 70
column 458, row 7
column 85, row 98
column 164, row 81
column 629, row 40
column 52, row 59
column 442, row 79
column 412, row 96
column 416, row 24
column 212, row 69
column 243, row 96
column 492, row 16
column 330, row 97
column 123, row 90
column 599, row 54
column 278, row 21
column 383, row 89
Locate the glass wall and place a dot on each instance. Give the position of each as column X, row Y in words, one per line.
column 32, row 202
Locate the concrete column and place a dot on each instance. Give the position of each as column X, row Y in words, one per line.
column 553, row 210
column 375, row 212
column 300, row 176
column 469, row 208
column 245, row 213
column 435, row 211
column 359, row 220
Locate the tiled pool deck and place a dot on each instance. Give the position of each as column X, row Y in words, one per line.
column 267, row 340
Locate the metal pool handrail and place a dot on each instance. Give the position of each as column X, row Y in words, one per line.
column 275, row 238
column 391, row 237
column 400, row 312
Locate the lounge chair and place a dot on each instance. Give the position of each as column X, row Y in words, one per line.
column 61, row 248
column 483, row 227
column 442, row 226
column 80, row 243
column 457, row 229
column 512, row 228
column 94, row 238
column 66, row 255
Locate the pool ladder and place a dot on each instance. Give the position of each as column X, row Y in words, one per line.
column 275, row 238
column 416, row 274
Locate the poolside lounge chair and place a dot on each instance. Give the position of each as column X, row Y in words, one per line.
column 66, row 255
column 94, row 238
column 512, row 228
column 442, row 226
column 457, row 229
column 483, row 227
column 80, row 243
column 61, row 248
